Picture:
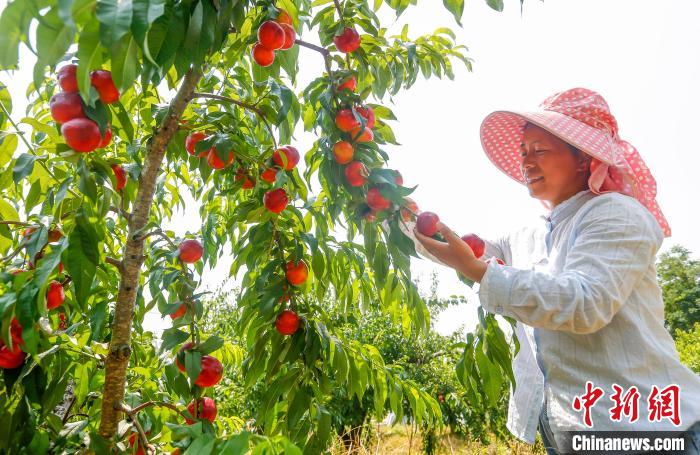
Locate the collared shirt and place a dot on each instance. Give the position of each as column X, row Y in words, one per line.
column 583, row 287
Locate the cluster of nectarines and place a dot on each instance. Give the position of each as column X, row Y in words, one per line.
column 67, row 108
column 274, row 35
column 426, row 224
column 288, row 321
column 212, row 154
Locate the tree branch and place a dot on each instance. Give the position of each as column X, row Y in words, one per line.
column 118, row 264
column 158, row 403
column 322, row 50
column 120, row 211
column 339, row 9
column 18, row 223
column 242, row 104
column 120, row 343
column 132, row 416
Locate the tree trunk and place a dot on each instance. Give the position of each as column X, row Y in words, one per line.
column 120, row 344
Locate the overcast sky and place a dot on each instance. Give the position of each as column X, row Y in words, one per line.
column 642, row 56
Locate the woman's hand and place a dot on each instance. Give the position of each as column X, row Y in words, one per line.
column 455, row 253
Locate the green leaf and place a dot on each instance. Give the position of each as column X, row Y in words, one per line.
column 89, row 55
column 194, row 33
column 115, row 19
column 125, row 62
column 456, row 7
column 495, row 4
column 145, row 13
column 98, row 317
column 82, row 257
column 23, row 166
column 53, row 38
column 65, row 12
column 87, row 184
column 212, row 344
column 172, row 337
column 14, row 24
column 7, row 212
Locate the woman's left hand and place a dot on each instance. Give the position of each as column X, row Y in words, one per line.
column 455, row 253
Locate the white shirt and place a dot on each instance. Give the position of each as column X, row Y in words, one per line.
column 589, row 309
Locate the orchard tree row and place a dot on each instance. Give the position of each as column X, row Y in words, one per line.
column 134, row 103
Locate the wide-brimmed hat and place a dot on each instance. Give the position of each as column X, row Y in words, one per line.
column 582, row 118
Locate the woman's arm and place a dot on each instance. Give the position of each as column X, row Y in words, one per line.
column 615, row 244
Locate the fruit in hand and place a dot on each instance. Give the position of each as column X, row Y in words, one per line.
column 348, row 41
column 427, row 223
column 296, row 272
column 287, row 322
column 190, row 251
column 475, row 243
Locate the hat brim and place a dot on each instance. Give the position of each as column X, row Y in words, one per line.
column 501, row 135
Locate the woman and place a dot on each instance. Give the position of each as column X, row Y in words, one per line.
column 582, row 285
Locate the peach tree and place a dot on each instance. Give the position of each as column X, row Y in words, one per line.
column 136, row 108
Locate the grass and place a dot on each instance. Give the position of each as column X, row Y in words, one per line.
column 397, row 440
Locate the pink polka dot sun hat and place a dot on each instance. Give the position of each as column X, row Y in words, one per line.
column 582, row 118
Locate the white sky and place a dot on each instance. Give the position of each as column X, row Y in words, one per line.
column 642, row 56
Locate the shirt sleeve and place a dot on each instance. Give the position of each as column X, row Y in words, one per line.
column 613, row 245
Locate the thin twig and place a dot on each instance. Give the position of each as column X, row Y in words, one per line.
column 163, row 404
column 18, row 223
column 132, row 416
column 242, row 104
column 120, row 211
column 340, row 10
column 13, row 254
column 70, row 405
column 322, row 50
column 118, row 264
column 162, row 234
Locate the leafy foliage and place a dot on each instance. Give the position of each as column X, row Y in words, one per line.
column 679, row 278
column 91, row 377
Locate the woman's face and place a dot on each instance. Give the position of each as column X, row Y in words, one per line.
column 552, row 172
